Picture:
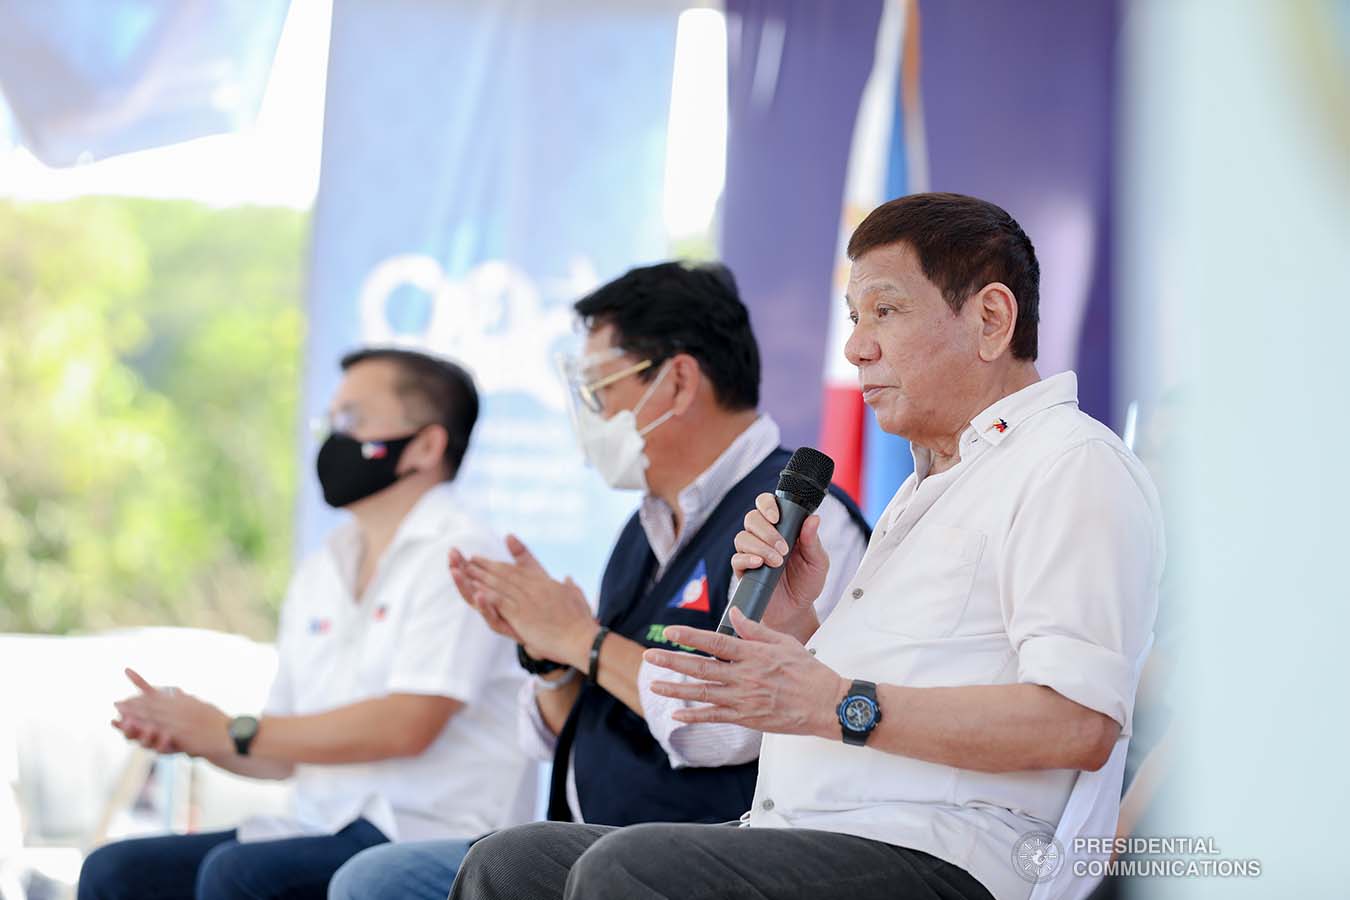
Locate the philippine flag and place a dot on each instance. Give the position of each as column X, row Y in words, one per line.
column 694, row 594
column 887, row 160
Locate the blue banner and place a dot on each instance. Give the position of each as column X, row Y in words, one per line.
column 484, row 165
column 90, row 80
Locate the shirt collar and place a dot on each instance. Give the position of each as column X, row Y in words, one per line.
column 1003, row 416
column 707, row 490
column 731, row 466
column 425, row 519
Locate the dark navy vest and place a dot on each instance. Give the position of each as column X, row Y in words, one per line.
column 623, row 776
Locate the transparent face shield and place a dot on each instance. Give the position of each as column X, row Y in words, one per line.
column 612, row 445
column 583, row 385
column 578, row 373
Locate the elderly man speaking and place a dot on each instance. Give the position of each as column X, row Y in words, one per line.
column 985, row 651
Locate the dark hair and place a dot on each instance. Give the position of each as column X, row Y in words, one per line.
column 659, row 311
column 963, row 243
column 434, row 392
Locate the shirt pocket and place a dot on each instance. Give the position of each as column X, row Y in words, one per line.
column 923, row 590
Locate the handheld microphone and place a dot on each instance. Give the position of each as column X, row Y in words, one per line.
column 801, row 488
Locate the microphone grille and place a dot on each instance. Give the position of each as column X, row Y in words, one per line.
column 806, row 477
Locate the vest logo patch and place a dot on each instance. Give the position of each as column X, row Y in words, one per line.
column 694, row 595
column 656, row 634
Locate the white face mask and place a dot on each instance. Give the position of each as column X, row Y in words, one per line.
column 614, row 446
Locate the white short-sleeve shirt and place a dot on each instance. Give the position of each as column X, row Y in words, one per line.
column 409, row 633
column 1035, row 559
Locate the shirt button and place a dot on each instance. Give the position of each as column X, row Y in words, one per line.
column 767, row 804
column 857, row 592
column 811, row 650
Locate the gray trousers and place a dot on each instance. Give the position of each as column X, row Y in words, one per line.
column 555, row 860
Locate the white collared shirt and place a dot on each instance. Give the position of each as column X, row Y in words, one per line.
column 1035, row 559
column 706, row 744
column 409, row 633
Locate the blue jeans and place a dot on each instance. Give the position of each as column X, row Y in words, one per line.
column 414, row 871
column 215, row 866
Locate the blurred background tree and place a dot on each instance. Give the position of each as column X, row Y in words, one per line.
column 149, row 379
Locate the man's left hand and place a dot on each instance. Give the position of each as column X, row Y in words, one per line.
column 192, row 726
column 552, row 617
column 763, row 680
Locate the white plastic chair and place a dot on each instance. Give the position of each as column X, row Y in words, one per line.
column 1092, row 811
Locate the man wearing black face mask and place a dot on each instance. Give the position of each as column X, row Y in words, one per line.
column 386, row 707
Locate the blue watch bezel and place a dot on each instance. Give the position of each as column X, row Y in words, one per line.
column 871, row 703
column 865, row 691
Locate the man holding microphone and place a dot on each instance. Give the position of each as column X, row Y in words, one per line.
column 984, row 653
column 665, row 397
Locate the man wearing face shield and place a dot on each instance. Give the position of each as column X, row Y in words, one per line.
column 384, row 708
column 664, row 402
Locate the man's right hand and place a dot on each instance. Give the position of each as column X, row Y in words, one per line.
column 479, row 597
column 760, row 544
column 139, row 730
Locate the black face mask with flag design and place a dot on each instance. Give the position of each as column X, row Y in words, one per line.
column 351, row 470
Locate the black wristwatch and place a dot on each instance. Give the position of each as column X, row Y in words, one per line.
column 243, row 729
column 859, row 712
column 535, row 666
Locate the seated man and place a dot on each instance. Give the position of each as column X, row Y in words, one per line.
column 665, row 402
column 984, row 653
column 386, row 706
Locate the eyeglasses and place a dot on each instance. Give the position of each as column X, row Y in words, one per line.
column 346, row 421
column 590, row 392
column 340, row 422
column 587, row 392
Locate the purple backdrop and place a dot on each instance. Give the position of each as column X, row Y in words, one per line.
column 1020, row 101
column 796, row 72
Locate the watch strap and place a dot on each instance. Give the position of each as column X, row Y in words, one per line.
column 535, row 666
column 243, row 729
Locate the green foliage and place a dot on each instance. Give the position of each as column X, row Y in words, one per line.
column 149, row 382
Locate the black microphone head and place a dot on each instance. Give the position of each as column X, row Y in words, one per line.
column 806, row 477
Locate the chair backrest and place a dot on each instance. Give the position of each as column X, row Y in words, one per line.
column 1092, row 811
column 67, row 758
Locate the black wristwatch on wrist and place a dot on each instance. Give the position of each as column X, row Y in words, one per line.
column 859, row 712
column 243, row 729
column 535, row 666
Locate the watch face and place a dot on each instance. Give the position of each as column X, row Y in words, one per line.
column 243, row 727
column 859, row 713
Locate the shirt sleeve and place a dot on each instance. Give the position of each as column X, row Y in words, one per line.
column 1084, row 558
column 444, row 647
column 536, row 739
column 701, row 744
